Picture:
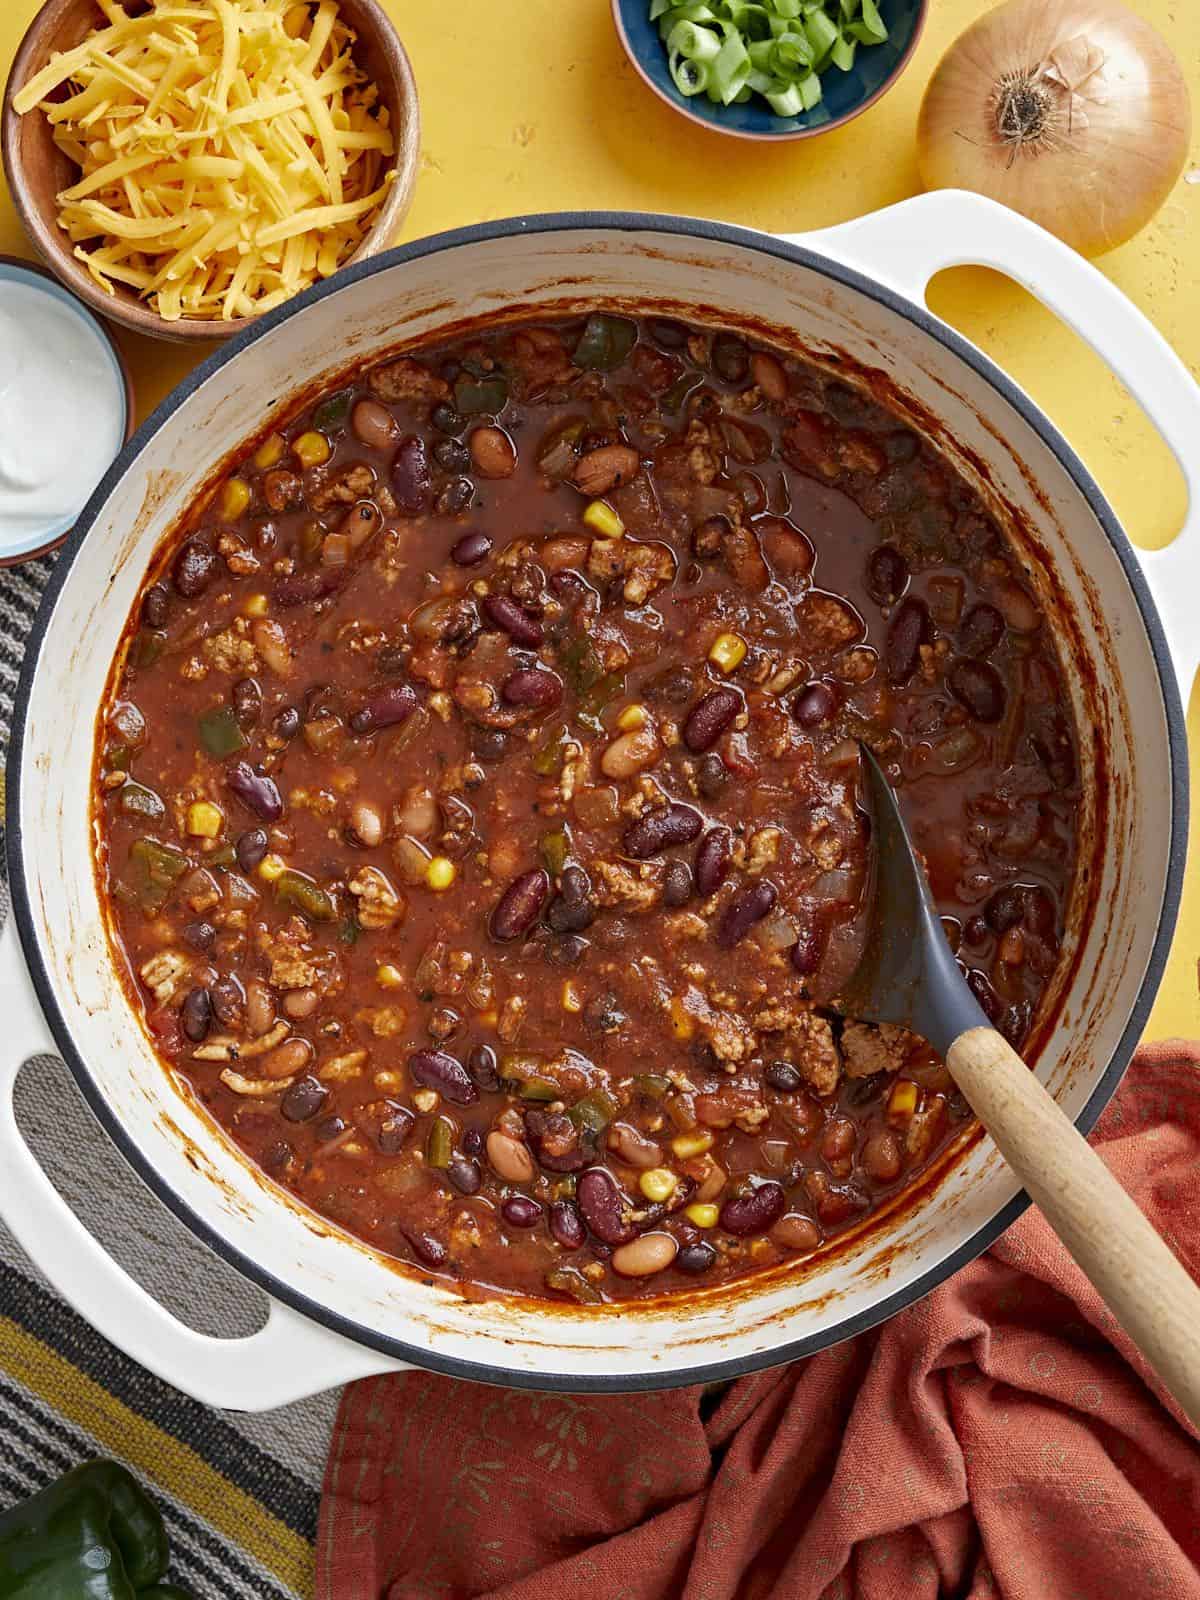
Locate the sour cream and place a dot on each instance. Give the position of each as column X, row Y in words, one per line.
column 62, row 410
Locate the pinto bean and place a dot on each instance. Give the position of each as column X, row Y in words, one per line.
column 631, row 752
column 504, row 613
column 748, row 1214
column 509, row 1158
column 643, row 1257
column 434, row 1069
column 709, row 718
column 661, row 828
column 768, row 376
column 633, row 1147
column 374, row 424
column 288, row 1058
column 796, row 1232
column 520, row 905
column 881, row 1157
column 493, row 452
column 606, row 468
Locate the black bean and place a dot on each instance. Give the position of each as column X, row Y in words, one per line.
column 783, row 1077
column 730, row 358
column 661, row 828
column 430, row 1250
column 286, row 723
column 471, row 549
column 387, row 708
column 303, row 1099
column 489, row 744
column 200, row 935
column 572, row 909
column 464, row 1174
column 978, row 686
column 712, row 860
column 675, row 684
column 604, row 1207
column 566, row 1225
column 887, row 575
column 194, row 568
column 195, row 1015
column 975, row 931
column 677, row 883
column 695, row 1258
column 567, row 950
column 250, row 848
column 709, row 718
column 504, row 613
column 755, row 1212
column 711, row 775
column 395, row 1128
column 981, row 631
column 306, row 588
column 910, row 629
column 603, row 1014
column 228, row 1000
column 446, row 419
column 519, row 1211
column 247, row 702
column 452, row 454
column 520, row 905
column 814, row 704
column 256, row 791
column 481, row 1064
column 671, row 335
column 412, row 480
column 156, row 606
column 532, row 687
column 708, row 537
column 434, row 1069
column 1005, row 909
column 746, row 908
column 472, row 1141
column 455, row 496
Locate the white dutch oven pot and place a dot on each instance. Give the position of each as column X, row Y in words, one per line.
column 338, row 1311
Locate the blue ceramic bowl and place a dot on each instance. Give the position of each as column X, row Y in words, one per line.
column 845, row 94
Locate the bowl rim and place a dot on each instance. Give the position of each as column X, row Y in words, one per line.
column 792, row 254
column 123, row 308
column 780, row 135
column 128, row 399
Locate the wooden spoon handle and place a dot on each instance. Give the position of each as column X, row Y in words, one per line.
column 1140, row 1279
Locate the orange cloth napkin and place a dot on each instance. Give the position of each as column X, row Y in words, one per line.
column 998, row 1439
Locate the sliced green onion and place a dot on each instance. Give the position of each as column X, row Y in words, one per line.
column 691, row 77
column 730, row 69
column 872, row 23
column 785, row 102
column 694, row 43
column 842, row 54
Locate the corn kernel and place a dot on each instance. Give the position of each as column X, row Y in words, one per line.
column 728, row 651
column 687, row 1145
column 312, row 449
column 658, row 1184
column 703, row 1216
column 204, row 820
column 425, row 1099
column 389, row 976
column 632, row 717
column 235, row 497
column 255, row 605
column 570, row 997
column 440, row 873
column 269, row 452
column 902, row 1101
column 271, row 867
column 602, row 519
column 683, row 1024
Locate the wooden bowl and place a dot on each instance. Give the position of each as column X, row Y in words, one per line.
column 37, row 170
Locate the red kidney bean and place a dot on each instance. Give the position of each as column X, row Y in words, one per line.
column 386, row 709
column 395, row 1128
column 303, row 1099
column 464, row 1174
column 783, row 1077
column 519, row 1211
column 754, row 1213
column 806, row 952
column 709, row 718
column 814, row 704
column 247, row 699
column 566, row 1225
column 250, row 848
column 471, row 549
column 712, row 860
column 434, row 1069
column 431, row 1251
column 746, row 908
column 194, row 568
column 520, row 905
column 504, row 613
column 256, row 791
column 695, row 1258
column 909, row 630
column 481, row 1064
column 195, row 1015
column 603, row 1206
column 981, row 631
column 978, row 686
column 657, row 830
column 887, row 575
column 306, row 588
column 412, row 478
column 531, row 687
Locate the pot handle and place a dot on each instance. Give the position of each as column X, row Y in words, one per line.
column 906, row 244
column 288, row 1359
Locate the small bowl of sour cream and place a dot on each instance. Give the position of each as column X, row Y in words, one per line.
column 66, row 408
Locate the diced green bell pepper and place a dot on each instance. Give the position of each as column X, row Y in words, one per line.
column 219, row 732
column 295, row 889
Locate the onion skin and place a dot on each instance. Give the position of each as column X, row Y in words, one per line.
column 1095, row 179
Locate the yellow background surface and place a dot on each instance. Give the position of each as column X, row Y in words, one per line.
column 530, row 105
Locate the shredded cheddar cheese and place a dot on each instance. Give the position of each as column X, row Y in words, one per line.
column 230, row 152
